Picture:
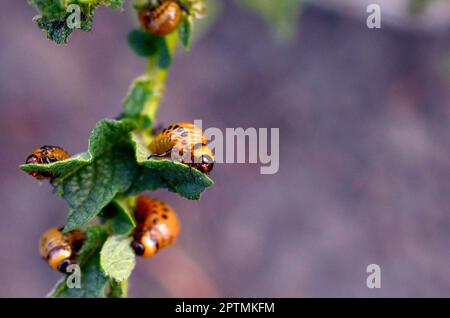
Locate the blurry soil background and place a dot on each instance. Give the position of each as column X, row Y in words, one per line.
column 364, row 118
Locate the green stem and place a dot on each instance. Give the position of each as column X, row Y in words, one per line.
column 159, row 77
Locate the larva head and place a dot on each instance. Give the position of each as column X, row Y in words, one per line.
column 34, row 160
column 59, row 258
column 145, row 245
column 203, row 159
column 45, row 155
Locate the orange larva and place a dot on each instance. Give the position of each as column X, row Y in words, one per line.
column 157, row 226
column 59, row 249
column 187, row 143
column 46, row 155
column 163, row 19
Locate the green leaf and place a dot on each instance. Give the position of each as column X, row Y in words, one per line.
column 96, row 235
column 117, row 258
column 143, row 43
column 60, row 168
column 93, row 282
column 162, row 173
column 89, row 182
column 94, row 186
column 119, row 214
column 56, row 29
column 164, row 55
column 118, row 289
column 139, row 94
column 54, row 13
column 111, row 171
column 185, row 31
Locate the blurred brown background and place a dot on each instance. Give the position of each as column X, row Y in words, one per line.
column 364, row 117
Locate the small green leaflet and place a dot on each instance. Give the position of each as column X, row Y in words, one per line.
column 119, row 215
column 185, row 31
column 117, row 258
column 96, row 235
column 144, row 44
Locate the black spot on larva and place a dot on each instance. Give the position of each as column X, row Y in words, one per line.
column 165, row 209
column 155, row 221
column 154, row 212
column 165, row 217
column 176, row 127
column 170, row 127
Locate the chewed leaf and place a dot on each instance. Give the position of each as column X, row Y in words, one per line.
column 161, row 173
column 117, row 258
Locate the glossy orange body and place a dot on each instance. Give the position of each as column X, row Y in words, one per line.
column 46, row 155
column 161, row 20
column 186, row 143
column 59, row 248
column 157, row 226
column 180, row 135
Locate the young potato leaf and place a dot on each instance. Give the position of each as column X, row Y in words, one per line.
column 140, row 93
column 185, row 31
column 96, row 235
column 162, row 173
column 143, row 43
column 119, row 214
column 117, row 258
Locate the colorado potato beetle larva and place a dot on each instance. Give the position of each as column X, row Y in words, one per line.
column 59, row 249
column 46, row 155
column 157, row 227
